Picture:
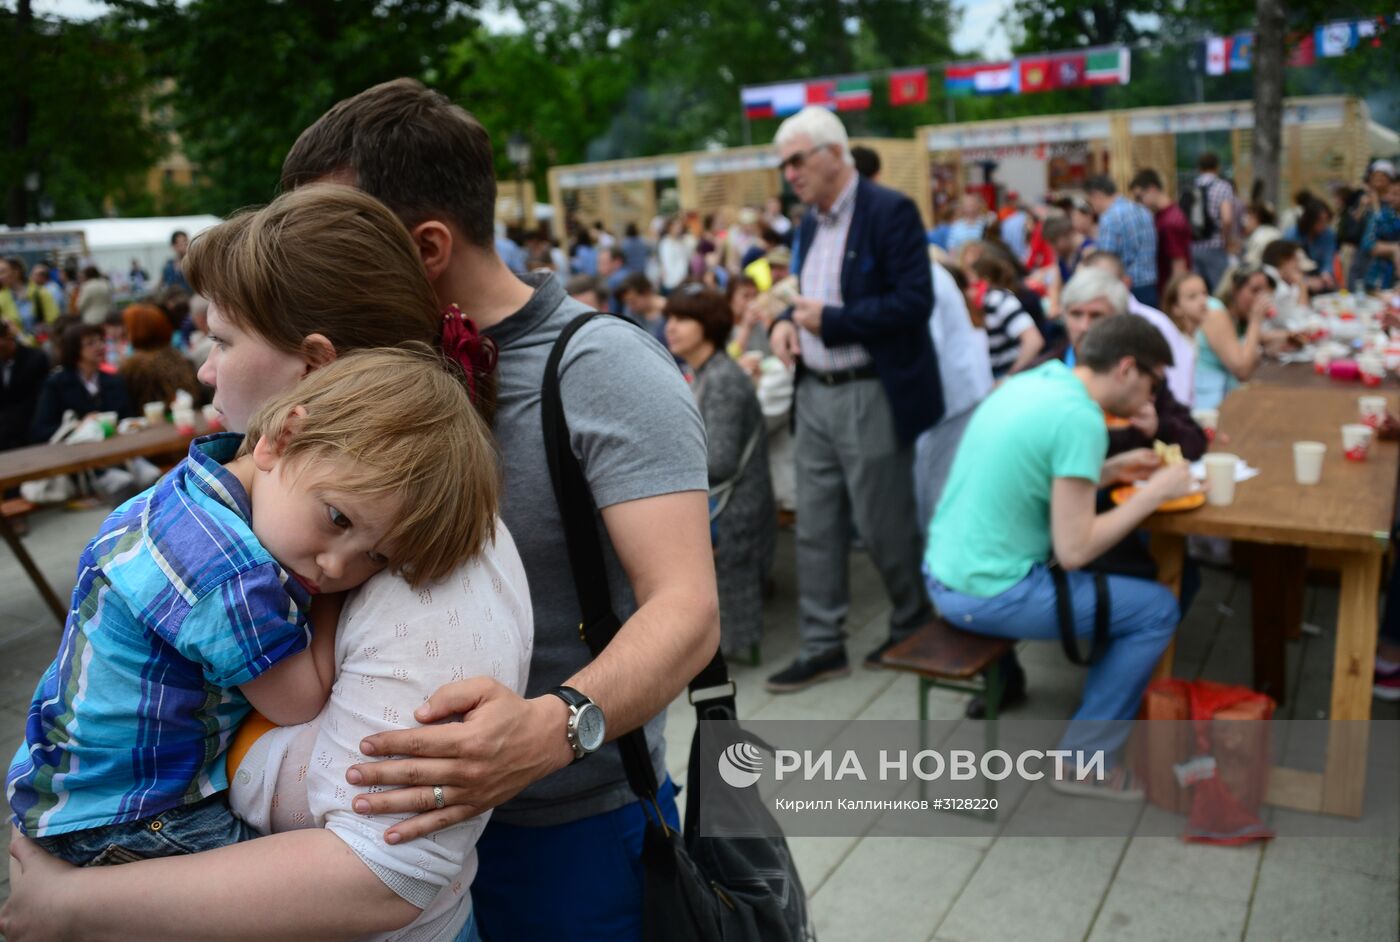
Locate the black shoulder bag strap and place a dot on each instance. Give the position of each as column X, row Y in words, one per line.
column 1064, row 611
column 711, row 690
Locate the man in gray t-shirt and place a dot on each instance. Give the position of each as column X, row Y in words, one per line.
column 631, row 447
column 561, row 807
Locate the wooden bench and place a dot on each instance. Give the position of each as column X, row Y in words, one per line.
column 942, row 656
column 16, row 507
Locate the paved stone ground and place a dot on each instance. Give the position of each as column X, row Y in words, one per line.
column 977, row 886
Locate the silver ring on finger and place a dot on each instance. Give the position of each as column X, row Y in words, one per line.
column 439, row 799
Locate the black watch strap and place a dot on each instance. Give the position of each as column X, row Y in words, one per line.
column 571, row 696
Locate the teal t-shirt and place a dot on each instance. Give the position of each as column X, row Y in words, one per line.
column 993, row 521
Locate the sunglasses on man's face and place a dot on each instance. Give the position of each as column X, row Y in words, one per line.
column 795, row 161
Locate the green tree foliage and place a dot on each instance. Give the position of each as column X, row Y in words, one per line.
column 89, row 131
column 244, row 77
column 685, row 62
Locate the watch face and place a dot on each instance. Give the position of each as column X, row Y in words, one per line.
column 590, row 727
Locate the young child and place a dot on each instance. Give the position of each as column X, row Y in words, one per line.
column 1185, row 300
column 192, row 601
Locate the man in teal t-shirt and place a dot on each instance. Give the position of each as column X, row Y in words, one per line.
column 1022, row 489
column 993, row 522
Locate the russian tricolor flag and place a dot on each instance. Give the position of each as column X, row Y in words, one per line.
column 980, row 78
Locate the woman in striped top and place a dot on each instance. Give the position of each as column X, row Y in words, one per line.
column 1012, row 335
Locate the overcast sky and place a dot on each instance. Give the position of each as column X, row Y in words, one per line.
column 979, row 37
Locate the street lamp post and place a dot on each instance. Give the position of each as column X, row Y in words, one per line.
column 518, row 152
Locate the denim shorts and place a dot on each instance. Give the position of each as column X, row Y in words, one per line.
column 187, row 829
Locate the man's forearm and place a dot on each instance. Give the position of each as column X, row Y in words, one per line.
column 1108, row 530
column 254, row 890
column 652, row 659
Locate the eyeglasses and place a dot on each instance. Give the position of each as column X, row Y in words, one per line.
column 1158, row 380
column 795, row 161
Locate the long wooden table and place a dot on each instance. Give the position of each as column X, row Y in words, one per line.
column 1342, row 523
column 45, row 461
column 1302, row 376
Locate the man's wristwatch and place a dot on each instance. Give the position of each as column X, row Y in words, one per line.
column 587, row 728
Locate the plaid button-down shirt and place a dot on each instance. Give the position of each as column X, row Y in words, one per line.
column 177, row 603
column 1128, row 231
column 821, row 279
column 1218, row 193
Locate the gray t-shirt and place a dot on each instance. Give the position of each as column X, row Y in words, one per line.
column 637, row 433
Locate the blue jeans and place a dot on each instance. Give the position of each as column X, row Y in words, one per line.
column 469, row 933
column 580, row 881
column 1143, row 618
column 187, row 829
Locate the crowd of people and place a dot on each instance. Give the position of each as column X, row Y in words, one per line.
column 1217, row 279
column 67, row 349
column 952, row 401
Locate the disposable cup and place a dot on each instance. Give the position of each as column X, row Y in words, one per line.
column 1372, row 366
column 1373, row 409
column 184, row 421
column 1208, row 420
column 155, row 412
column 1356, row 441
column 1307, row 462
column 1220, row 478
column 1322, row 360
column 213, row 418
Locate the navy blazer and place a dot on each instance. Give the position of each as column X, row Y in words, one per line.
column 887, row 290
column 64, row 389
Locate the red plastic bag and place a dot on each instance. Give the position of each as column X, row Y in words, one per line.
column 1214, row 767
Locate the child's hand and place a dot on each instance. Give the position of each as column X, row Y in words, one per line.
column 36, row 910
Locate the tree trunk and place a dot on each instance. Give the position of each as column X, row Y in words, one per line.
column 1268, row 98
column 17, row 197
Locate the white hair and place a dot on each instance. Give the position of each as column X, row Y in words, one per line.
column 820, row 126
column 1091, row 283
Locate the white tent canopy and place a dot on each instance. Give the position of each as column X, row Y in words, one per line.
column 113, row 243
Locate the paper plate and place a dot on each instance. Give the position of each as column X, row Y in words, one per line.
column 1189, row 502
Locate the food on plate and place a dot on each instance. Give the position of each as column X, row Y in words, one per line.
column 1170, row 454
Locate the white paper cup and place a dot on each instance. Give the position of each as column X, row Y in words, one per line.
column 1307, row 462
column 155, row 412
column 1208, row 420
column 184, row 420
column 1220, row 478
column 1373, row 409
column 1372, row 366
column 1356, row 441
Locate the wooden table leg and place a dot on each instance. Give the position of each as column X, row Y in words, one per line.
column 1276, row 588
column 1169, row 552
column 1344, row 781
column 60, row 611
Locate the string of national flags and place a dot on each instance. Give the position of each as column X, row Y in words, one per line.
column 1043, row 72
column 1225, row 54
column 1039, row 73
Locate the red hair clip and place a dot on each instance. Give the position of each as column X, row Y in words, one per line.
column 464, row 343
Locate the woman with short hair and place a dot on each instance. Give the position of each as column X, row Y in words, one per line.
column 743, row 517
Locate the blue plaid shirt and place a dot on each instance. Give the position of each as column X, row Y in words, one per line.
column 176, row 603
column 1126, row 229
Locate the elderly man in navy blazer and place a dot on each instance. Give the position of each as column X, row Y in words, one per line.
column 867, row 385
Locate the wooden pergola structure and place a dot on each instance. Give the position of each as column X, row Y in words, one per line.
column 619, row 192
column 1326, row 139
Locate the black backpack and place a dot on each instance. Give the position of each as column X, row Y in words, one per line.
column 1195, row 204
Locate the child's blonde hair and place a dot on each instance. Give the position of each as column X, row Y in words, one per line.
column 400, row 421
